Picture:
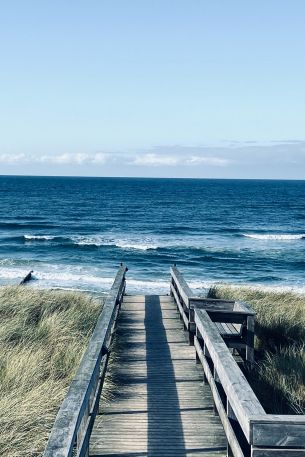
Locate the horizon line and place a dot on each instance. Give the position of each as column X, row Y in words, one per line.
column 149, row 177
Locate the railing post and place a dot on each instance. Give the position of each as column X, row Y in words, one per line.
column 191, row 323
column 218, row 383
column 231, row 417
column 170, row 289
column 250, row 339
column 206, row 355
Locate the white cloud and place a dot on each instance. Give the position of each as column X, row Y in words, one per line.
column 12, row 158
column 213, row 161
column 155, row 160
column 100, row 158
column 59, row 159
column 148, row 159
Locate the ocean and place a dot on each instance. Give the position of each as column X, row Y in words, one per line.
column 74, row 232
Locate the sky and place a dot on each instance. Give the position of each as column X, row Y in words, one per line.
column 160, row 88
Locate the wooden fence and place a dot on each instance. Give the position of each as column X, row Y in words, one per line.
column 72, row 428
column 250, row 431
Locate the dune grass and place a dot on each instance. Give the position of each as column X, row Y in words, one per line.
column 278, row 378
column 43, row 335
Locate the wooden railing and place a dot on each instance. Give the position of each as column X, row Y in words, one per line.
column 250, row 431
column 72, row 428
column 235, row 320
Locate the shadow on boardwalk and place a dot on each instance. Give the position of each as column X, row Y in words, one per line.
column 164, row 424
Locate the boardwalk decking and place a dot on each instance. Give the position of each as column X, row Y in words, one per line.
column 161, row 406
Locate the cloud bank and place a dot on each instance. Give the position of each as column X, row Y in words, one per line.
column 149, row 159
column 278, row 159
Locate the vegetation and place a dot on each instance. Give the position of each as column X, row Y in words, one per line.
column 43, row 335
column 279, row 375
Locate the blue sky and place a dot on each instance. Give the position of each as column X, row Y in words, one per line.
column 153, row 88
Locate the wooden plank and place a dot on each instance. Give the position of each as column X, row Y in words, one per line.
column 250, row 339
column 245, row 307
column 69, row 417
column 278, row 430
column 182, row 286
column 240, row 395
column 233, row 329
column 268, row 452
column 180, row 307
column 214, row 304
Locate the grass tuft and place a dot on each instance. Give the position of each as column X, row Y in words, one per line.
column 43, row 335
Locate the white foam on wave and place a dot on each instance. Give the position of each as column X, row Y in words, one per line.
column 79, row 279
column 270, row 236
column 39, row 237
column 96, row 282
column 89, row 240
column 13, row 273
column 137, row 246
column 72, row 278
column 97, row 240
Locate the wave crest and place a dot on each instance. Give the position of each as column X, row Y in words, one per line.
column 95, row 241
column 271, row 236
column 39, row 237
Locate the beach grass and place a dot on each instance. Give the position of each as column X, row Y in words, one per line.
column 278, row 377
column 43, row 335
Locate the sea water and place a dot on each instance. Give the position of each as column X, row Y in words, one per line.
column 74, row 232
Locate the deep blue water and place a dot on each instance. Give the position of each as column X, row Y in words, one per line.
column 74, row 232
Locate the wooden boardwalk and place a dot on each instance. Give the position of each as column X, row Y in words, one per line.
column 161, row 406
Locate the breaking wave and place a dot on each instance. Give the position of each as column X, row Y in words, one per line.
column 39, row 237
column 97, row 241
column 271, row 236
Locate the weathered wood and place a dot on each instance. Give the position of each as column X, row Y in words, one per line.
column 211, row 303
column 160, row 407
column 75, row 404
column 243, row 306
column 27, row 278
column 250, row 339
column 278, row 430
column 242, row 398
column 227, row 331
column 214, row 321
column 231, row 438
column 181, row 285
column 180, row 307
column 232, row 419
column 268, row 452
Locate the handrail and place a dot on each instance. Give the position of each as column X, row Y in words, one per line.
column 73, row 423
column 250, row 431
column 181, row 285
column 242, row 398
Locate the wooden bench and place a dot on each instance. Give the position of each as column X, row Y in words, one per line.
column 235, row 322
column 229, row 331
column 239, row 335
